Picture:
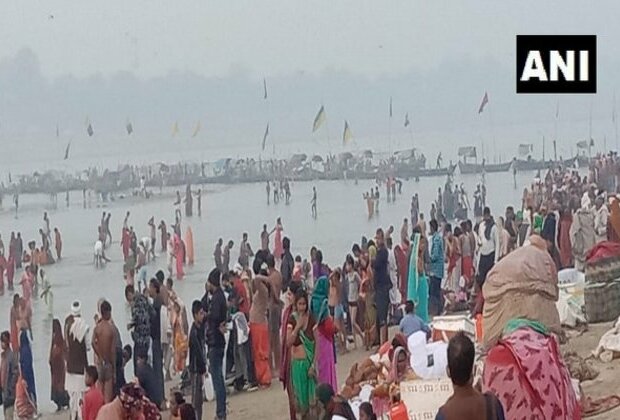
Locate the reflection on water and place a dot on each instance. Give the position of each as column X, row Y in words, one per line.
column 227, row 211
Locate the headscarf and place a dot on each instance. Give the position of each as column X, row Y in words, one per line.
column 131, row 397
column 394, row 370
column 318, row 303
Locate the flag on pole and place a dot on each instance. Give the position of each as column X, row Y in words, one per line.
column 90, row 130
column 265, row 136
column 485, row 100
column 407, row 120
column 196, row 130
column 67, row 151
column 347, row 135
column 583, row 144
column 265, row 88
column 319, row 119
column 175, row 129
column 390, row 107
column 129, row 128
column 525, row 149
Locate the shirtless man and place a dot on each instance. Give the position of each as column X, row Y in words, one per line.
column 104, row 346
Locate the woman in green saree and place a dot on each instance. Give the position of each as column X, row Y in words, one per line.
column 417, row 282
column 300, row 337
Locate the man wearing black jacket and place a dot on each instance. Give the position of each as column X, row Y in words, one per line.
column 288, row 263
column 197, row 358
column 216, row 327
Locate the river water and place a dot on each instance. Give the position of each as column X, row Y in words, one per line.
column 227, row 211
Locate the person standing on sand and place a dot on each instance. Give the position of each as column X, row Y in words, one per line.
column 275, row 314
column 216, row 342
column 57, row 361
column 437, row 258
column 197, row 358
column 141, row 313
column 104, row 346
column 287, row 267
column 259, row 329
column 300, row 341
column 268, row 189
column 8, row 375
column 78, row 344
column 156, row 347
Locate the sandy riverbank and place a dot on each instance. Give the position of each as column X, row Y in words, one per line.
column 272, row 403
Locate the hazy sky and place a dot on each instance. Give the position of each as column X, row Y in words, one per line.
column 157, row 62
column 275, row 37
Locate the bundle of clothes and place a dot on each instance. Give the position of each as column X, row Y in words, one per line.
column 377, row 378
column 524, row 367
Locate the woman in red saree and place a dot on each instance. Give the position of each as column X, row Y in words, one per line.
column 401, row 253
column 57, row 361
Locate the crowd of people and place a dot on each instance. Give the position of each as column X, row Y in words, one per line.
column 274, row 315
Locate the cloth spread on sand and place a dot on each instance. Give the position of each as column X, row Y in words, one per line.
column 526, row 372
column 524, row 284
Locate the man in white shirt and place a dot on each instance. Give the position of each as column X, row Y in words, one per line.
column 489, row 245
column 600, row 219
column 395, row 296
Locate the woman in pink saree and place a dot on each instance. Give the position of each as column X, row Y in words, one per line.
column 527, row 373
column 178, row 256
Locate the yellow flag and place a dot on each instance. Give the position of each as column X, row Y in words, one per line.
column 196, row 130
column 175, row 129
column 319, row 119
column 347, row 135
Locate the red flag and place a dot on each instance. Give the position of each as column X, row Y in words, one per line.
column 485, row 101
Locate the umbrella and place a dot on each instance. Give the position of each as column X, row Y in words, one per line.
column 317, row 158
column 367, row 154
